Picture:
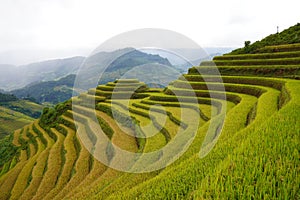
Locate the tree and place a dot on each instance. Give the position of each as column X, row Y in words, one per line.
column 247, row 44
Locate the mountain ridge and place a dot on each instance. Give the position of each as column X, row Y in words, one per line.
column 60, row 90
column 15, row 77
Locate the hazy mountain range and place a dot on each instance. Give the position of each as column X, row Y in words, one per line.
column 53, row 80
column 15, row 77
column 57, row 85
column 39, row 80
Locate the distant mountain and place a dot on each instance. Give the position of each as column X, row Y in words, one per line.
column 8, row 76
column 135, row 58
column 128, row 61
column 288, row 36
column 113, row 65
column 183, row 59
column 56, row 91
column 13, row 77
column 183, row 68
column 48, row 91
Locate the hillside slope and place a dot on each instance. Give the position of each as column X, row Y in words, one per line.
column 288, row 36
column 15, row 113
column 283, row 62
column 11, row 120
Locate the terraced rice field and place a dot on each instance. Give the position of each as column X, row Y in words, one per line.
column 252, row 154
column 11, row 120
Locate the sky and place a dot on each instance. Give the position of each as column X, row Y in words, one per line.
column 35, row 30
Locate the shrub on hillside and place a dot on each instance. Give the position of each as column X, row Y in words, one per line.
column 50, row 116
column 7, row 150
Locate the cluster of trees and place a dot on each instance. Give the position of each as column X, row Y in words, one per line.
column 7, row 98
column 50, row 116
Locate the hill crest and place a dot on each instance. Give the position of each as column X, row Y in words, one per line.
column 290, row 35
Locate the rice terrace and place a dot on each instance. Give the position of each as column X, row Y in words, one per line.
column 256, row 155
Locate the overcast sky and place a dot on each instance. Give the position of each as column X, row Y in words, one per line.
column 34, row 30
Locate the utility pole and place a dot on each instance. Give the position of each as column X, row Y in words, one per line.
column 277, row 29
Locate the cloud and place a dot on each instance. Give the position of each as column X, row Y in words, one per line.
column 63, row 25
